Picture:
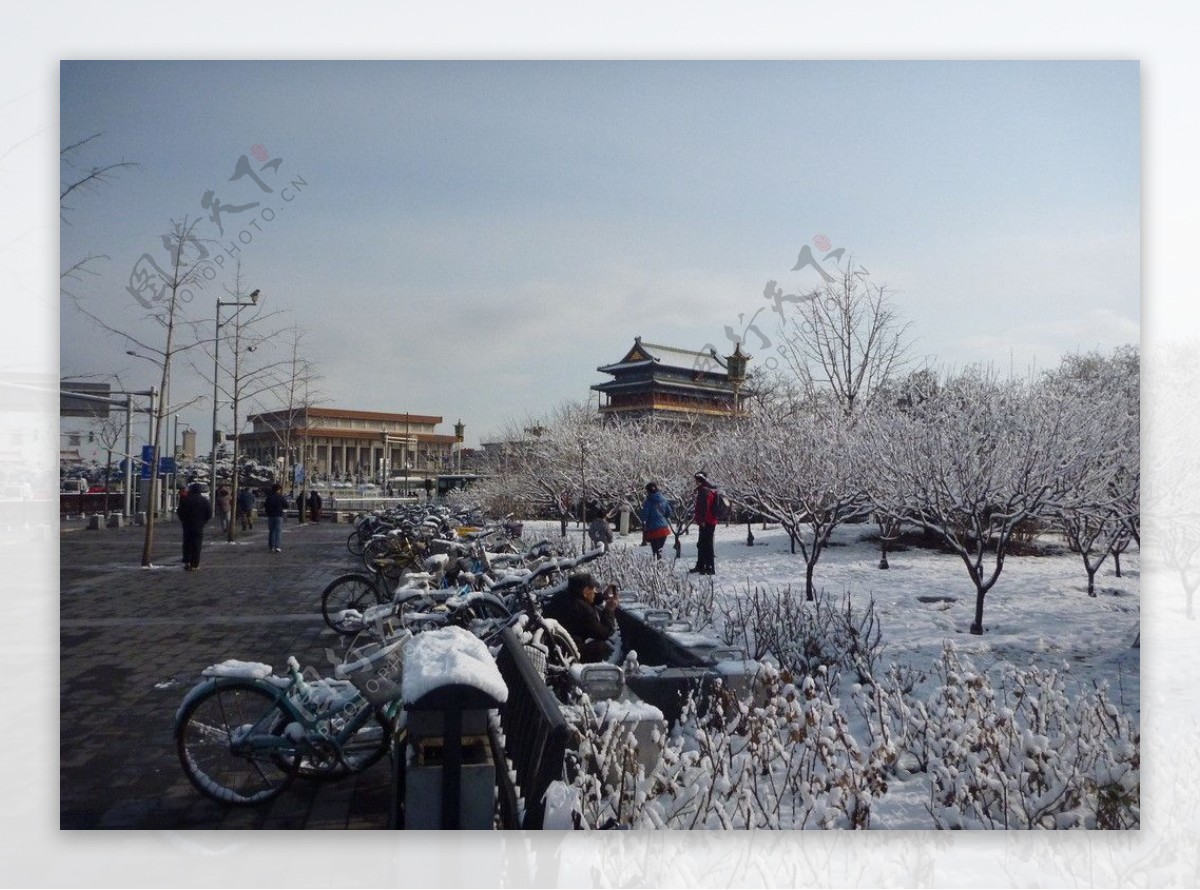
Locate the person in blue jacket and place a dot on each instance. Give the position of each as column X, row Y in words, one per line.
column 656, row 519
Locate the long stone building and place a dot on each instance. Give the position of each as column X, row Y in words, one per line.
column 363, row 445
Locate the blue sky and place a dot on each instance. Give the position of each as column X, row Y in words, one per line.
column 473, row 239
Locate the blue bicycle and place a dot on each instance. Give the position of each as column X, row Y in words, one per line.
column 243, row 733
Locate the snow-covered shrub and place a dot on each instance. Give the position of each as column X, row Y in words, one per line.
column 800, row 635
column 1024, row 755
column 658, row 587
column 790, row 763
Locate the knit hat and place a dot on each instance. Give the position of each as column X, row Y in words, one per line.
column 700, row 477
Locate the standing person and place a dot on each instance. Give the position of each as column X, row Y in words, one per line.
column 194, row 511
column 705, row 515
column 314, row 506
column 564, row 511
column 599, row 530
column 275, row 506
column 590, row 623
column 245, row 507
column 223, row 504
column 656, row 519
column 300, row 506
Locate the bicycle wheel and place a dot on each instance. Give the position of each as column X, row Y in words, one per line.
column 231, row 744
column 484, row 617
column 348, row 592
column 355, row 543
column 360, row 750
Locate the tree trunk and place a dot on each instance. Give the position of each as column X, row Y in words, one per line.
column 977, row 626
column 809, row 594
column 883, row 563
column 1117, row 562
column 1091, row 573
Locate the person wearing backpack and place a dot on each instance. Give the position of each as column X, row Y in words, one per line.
column 705, row 515
column 656, row 519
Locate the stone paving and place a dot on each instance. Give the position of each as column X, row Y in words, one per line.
column 133, row 642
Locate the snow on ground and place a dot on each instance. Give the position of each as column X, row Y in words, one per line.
column 1038, row 613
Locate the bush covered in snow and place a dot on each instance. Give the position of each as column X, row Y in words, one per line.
column 1022, row 754
column 803, row 636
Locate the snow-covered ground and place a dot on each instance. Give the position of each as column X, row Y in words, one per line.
column 1037, row 615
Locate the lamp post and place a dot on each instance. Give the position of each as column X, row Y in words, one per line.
column 459, row 430
column 216, row 370
column 735, row 372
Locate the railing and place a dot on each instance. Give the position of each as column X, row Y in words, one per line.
column 535, row 738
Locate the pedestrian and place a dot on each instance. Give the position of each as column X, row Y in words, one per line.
column 564, row 511
column 245, row 507
column 588, row 616
column 656, row 519
column 194, row 511
column 599, row 529
column 705, row 516
column 275, row 506
column 314, row 506
column 223, row 504
column 300, row 506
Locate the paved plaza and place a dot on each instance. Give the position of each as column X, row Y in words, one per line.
column 133, row 642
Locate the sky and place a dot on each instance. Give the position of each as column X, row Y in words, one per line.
column 473, row 239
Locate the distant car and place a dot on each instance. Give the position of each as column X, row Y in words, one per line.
column 97, row 489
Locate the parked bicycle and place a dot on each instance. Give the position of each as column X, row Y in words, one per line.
column 244, row 734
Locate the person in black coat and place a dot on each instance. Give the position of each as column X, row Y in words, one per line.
column 274, row 507
column 194, row 512
column 587, row 616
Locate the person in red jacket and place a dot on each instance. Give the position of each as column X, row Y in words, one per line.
column 705, row 515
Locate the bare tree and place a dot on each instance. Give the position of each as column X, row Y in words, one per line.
column 845, row 338
column 78, row 180
column 1100, row 511
column 974, row 463
column 798, row 472
column 182, row 275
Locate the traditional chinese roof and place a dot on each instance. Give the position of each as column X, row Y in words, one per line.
column 655, row 355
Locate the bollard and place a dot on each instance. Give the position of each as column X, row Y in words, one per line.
column 116, row 520
column 93, row 521
column 447, row 775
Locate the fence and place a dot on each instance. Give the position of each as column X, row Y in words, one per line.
column 535, row 738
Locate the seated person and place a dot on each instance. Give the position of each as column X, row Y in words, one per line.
column 590, row 618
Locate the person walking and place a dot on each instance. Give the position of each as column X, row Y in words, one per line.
column 314, row 506
column 275, row 506
column 656, row 519
column 194, row 511
column 245, row 507
column 705, row 516
column 224, row 502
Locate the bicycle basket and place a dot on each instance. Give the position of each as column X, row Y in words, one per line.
column 376, row 670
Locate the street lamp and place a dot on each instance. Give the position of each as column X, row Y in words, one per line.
column 459, row 430
column 216, row 370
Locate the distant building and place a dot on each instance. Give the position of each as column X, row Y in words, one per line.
column 667, row 382
column 188, row 449
column 371, row 445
